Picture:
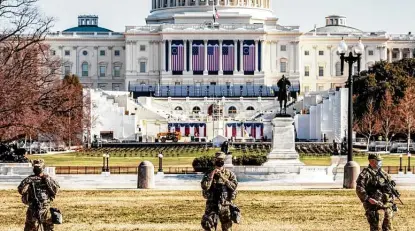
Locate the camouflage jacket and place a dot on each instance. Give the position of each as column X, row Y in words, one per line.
column 371, row 185
column 218, row 189
column 45, row 190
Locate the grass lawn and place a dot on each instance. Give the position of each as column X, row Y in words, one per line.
column 185, row 161
column 338, row 210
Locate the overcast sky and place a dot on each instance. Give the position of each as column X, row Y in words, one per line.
column 369, row 15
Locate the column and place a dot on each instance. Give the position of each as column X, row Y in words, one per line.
column 297, row 57
column 220, row 57
column 241, row 56
column 217, row 2
column 411, row 50
column 206, row 2
column 190, row 55
column 400, row 53
column 197, row 2
column 331, row 59
column 390, row 55
column 315, row 61
column 185, row 55
column 275, row 54
column 186, row 2
column 157, row 4
column 271, row 61
column 163, row 55
column 169, row 57
column 256, row 55
column 291, row 57
column 205, row 70
column 235, row 56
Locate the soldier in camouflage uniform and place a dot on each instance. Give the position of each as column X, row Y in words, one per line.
column 372, row 192
column 44, row 188
column 219, row 188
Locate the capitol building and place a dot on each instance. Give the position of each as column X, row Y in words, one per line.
column 195, row 58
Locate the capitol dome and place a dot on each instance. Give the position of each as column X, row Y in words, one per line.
column 336, row 24
column 199, row 11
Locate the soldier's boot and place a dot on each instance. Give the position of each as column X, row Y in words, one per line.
column 387, row 220
column 30, row 226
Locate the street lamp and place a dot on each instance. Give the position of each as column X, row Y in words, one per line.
column 160, row 162
column 105, row 167
column 351, row 169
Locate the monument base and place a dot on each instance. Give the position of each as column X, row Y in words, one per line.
column 22, row 169
column 228, row 161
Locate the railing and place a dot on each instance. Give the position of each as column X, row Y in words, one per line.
column 118, row 170
column 393, row 169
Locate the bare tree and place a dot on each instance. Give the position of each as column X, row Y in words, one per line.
column 406, row 112
column 369, row 124
column 387, row 116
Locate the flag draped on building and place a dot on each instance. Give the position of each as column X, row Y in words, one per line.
column 249, row 57
column 177, row 57
column 198, row 57
column 215, row 12
column 228, row 59
column 213, row 57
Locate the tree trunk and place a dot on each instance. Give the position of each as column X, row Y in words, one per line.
column 409, row 138
column 367, row 144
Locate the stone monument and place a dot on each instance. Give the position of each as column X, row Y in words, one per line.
column 283, row 153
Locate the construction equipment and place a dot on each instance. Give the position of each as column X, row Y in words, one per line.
column 164, row 136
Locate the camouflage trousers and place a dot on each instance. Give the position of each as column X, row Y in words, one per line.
column 210, row 218
column 372, row 216
column 32, row 221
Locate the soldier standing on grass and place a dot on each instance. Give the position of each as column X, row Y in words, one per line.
column 372, row 190
column 219, row 188
column 37, row 192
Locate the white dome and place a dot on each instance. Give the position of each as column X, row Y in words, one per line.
column 197, row 11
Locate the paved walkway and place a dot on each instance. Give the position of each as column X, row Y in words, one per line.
column 189, row 182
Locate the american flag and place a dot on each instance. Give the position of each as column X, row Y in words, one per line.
column 228, row 59
column 198, row 55
column 249, row 57
column 213, row 57
column 177, row 54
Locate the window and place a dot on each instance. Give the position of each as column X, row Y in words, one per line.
column 102, row 53
column 306, row 71
column 116, row 86
column 320, row 71
column 117, row 71
column 85, row 69
column 196, row 110
column 85, row 53
column 102, row 86
column 102, row 71
column 232, row 110
column 250, row 108
column 306, row 88
column 320, row 88
column 283, row 48
column 117, row 52
column 177, row 83
column 142, row 47
column 283, row 66
column 178, row 108
column 320, row 52
column 306, row 52
column 142, row 67
column 338, row 69
column 394, row 55
column 67, row 70
column 370, row 52
column 213, row 83
column 53, row 52
column 67, row 53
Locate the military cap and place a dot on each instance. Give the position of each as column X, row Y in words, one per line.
column 374, row 156
column 38, row 163
column 220, row 155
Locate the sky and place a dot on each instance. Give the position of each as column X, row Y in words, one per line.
column 368, row 15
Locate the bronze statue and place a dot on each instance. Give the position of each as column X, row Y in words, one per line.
column 283, row 93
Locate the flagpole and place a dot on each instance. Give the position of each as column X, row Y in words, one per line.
column 213, row 11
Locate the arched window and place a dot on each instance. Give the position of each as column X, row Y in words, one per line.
column 178, row 108
column 338, row 71
column 250, row 108
column 232, row 110
column 84, row 69
column 196, row 110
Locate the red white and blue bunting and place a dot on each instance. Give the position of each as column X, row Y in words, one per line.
column 189, row 129
column 254, row 130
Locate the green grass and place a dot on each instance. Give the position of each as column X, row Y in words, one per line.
column 311, row 210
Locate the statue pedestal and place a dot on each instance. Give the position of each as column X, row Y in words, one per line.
column 228, row 161
column 283, row 153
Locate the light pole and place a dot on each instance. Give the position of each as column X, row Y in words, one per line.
column 105, row 162
column 351, row 169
